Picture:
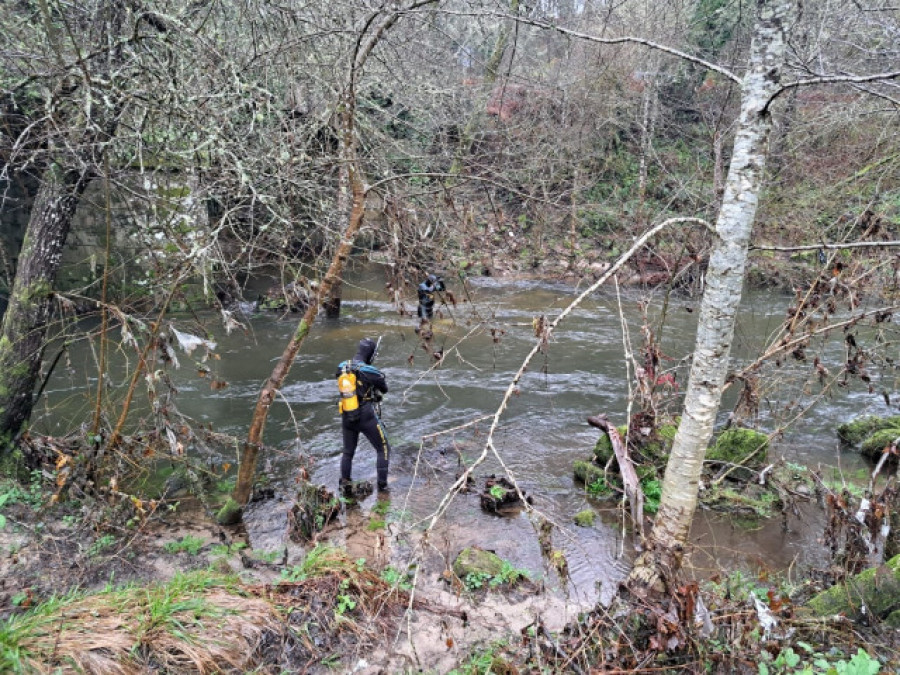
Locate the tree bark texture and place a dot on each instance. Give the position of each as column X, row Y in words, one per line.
column 24, row 330
column 724, row 284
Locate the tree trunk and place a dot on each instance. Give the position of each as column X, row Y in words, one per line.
column 724, row 282
column 24, row 329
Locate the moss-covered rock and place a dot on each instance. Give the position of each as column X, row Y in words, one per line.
column 874, row 444
column 878, row 588
column 744, row 447
column 587, row 472
column 659, row 444
column 893, row 619
column 858, row 430
column 585, row 518
column 603, row 449
column 477, row 562
column 230, row 513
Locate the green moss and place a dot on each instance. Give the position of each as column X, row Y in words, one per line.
column 230, row 513
column 750, row 501
column 856, row 431
column 603, row 449
column 587, row 472
column 893, row 619
column 585, row 518
column 667, row 432
column 477, row 561
column 302, row 330
column 38, row 290
column 878, row 588
column 745, row 447
column 874, row 444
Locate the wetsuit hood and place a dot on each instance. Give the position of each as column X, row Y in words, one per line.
column 365, row 352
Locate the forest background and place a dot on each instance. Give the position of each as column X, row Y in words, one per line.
column 186, row 149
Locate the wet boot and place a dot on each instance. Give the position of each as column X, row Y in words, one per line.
column 345, row 488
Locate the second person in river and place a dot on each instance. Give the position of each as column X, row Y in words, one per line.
column 432, row 284
column 362, row 385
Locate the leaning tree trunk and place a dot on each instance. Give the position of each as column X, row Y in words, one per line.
column 724, row 282
column 24, row 329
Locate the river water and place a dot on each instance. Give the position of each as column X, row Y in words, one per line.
column 541, row 433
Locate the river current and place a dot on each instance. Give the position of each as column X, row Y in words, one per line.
column 434, row 412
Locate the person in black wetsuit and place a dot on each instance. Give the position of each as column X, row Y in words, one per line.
column 432, row 284
column 361, row 417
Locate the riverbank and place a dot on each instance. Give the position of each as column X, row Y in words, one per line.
column 178, row 594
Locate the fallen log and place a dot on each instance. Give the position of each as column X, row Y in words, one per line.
column 630, row 479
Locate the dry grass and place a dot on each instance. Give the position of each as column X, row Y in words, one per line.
column 203, row 622
column 195, row 624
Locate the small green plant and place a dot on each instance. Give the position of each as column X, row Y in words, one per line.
column 508, row 575
column 485, row 661
column 331, row 661
column 345, row 602
column 187, row 544
column 381, row 507
column 100, row 544
column 268, row 556
column 12, row 493
column 320, row 560
column 34, row 497
column 599, row 488
column 224, row 550
column 497, row 492
column 394, row 577
column 811, row 662
column 476, row 580
column 5, row 497
column 652, row 493
column 375, row 524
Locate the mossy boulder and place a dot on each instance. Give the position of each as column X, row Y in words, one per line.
column 877, row 588
column 585, row 518
column 603, row 449
column 659, row 444
column 873, row 446
column 858, row 430
column 744, row 447
column 587, row 471
column 477, row 562
column 893, row 619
